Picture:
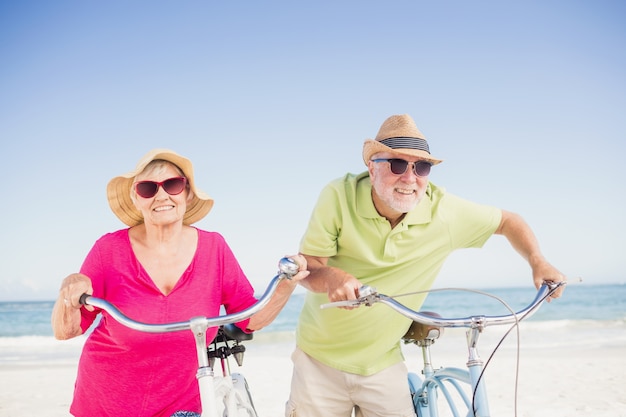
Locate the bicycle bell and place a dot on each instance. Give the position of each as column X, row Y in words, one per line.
column 288, row 267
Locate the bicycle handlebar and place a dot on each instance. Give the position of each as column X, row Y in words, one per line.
column 368, row 296
column 287, row 269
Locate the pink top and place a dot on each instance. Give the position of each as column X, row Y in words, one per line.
column 125, row 372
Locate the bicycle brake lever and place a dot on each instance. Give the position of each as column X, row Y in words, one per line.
column 553, row 285
column 367, row 295
column 345, row 303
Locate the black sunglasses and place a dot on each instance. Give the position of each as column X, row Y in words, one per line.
column 399, row 166
column 172, row 186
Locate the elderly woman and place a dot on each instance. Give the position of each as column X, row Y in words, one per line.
column 159, row 269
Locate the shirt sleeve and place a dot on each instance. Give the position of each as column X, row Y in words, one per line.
column 470, row 224
column 237, row 292
column 322, row 233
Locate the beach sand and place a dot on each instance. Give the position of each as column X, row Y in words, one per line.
column 565, row 370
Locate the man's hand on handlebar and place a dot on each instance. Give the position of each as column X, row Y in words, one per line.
column 343, row 287
column 544, row 271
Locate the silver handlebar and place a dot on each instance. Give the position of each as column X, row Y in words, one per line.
column 368, row 296
column 287, row 268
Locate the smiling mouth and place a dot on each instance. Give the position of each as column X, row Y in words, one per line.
column 404, row 191
column 164, row 208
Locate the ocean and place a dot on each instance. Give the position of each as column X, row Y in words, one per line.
column 581, row 302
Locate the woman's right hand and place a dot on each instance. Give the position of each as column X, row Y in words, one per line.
column 66, row 316
column 72, row 287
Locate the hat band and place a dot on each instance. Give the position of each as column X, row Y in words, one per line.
column 406, row 143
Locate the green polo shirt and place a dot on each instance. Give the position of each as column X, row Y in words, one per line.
column 346, row 228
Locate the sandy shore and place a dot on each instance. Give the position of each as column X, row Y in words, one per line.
column 565, row 370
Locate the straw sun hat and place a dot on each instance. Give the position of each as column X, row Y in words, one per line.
column 398, row 134
column 119, row 189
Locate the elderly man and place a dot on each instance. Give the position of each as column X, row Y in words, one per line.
column 388, row 227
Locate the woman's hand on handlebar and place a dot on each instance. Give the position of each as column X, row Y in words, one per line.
column 302, row 267
column 72, row 287
column 66, row 317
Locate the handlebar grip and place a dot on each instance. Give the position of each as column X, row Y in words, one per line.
column 83, row 299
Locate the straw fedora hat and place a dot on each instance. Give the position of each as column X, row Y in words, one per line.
column 119, row 189
column 398, row 134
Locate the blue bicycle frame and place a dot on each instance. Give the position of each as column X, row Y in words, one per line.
column 450, row 382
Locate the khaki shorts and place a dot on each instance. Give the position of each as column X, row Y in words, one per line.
column 318, row 390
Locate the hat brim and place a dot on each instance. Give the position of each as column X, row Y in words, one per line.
column 119, row 191
column 372, row 147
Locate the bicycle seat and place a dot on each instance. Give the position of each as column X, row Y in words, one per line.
column 419, row 331
column 232, row 332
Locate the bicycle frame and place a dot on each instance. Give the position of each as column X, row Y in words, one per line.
column 425, row 390
column 450, row 381
column 198, row 326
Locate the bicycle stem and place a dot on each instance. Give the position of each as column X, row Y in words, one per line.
column 205, row 372
column 472, row 334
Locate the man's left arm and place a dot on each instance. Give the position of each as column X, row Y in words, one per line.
column 523, row 240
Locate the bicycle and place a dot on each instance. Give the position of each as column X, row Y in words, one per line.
column 459, row 387
column 231, row 388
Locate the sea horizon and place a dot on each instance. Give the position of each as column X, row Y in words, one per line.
column 581, row 302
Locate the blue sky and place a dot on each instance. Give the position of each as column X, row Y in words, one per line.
column 524, row 101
